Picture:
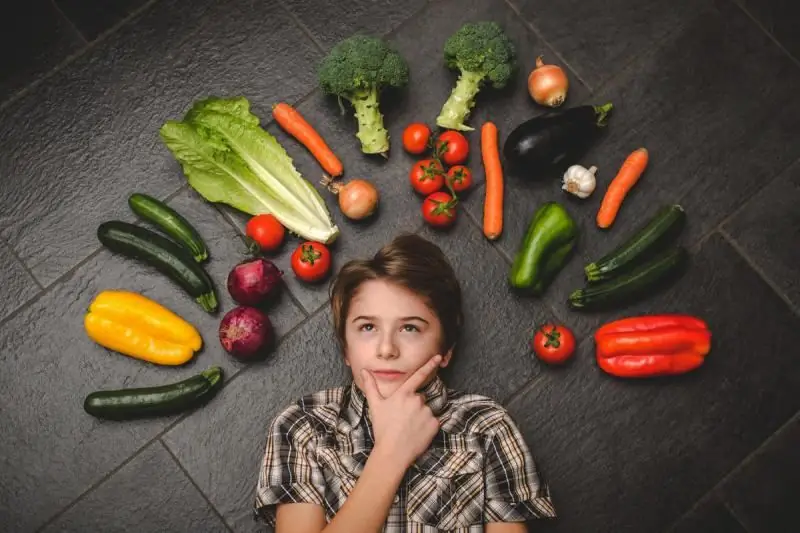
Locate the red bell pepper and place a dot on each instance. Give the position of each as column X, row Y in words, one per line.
column 654, row 345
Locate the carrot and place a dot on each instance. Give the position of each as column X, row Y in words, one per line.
column 493, row 201
column 293, row 122
column 628, row 175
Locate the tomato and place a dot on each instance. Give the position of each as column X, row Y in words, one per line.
column 311, row 261
column 452, row 147
column 427, row 176
column 459, row 177
column 415, row 137
column 439, row 209
column 266, row 231
column 553, row 344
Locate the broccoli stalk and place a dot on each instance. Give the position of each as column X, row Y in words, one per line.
column 357, row 69
column 484, row 54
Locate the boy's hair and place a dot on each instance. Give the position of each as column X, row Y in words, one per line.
column 411, row 262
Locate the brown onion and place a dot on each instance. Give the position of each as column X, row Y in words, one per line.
column 358, row 198
column 548, row 84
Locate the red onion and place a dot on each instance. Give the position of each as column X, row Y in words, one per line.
column 252, row 281
column 246, row 332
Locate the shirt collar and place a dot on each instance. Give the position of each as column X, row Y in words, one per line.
column 435, row 394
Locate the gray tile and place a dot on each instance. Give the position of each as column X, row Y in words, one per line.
column 89, row 136
column 34, row 38
column 634, row 455
column 600, row 38
column 763, row 494
column 768, row 230
column 778, row 17
column 710, row 517
column 50, row 361
column 16, row 285
column 149, row 494
column 92, row 17
column 331, row 22
column 225, row 468
column 691, row 92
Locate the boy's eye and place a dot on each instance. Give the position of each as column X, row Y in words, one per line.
column 367, row 327
column 410, row 327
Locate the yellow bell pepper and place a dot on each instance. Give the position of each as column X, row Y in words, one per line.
column 134, row 325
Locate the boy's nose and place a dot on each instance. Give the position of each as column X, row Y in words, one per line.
column 387, row 348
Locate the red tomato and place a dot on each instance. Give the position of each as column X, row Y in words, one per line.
column 459, row 177
column 452, row 147
column 553, row 344
column 266, row 231
column 439, row 209
column 311, row 261
column 415, row 137
column 427, row 176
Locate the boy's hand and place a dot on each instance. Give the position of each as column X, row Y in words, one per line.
column 403, row 424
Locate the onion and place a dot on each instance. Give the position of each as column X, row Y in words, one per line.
column 358, row 198
column 246, row 332
column 548, row 84
column 252, row 281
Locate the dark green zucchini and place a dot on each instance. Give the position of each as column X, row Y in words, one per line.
column 123, row 404
column 161, row 253
column 171, row 222
column 645, row 279
column 646, row 241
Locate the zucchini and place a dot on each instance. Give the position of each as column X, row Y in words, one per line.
column 647, row 240
column 171, row 222
column 123, row 404
column 163, row 254
column 640, row 281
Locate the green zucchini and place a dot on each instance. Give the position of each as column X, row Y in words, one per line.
column 647, row 240
column 123, row 404
column 171, row 222
column 163, row 254
column 644, row 279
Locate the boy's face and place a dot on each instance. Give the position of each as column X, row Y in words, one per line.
column 390, row 332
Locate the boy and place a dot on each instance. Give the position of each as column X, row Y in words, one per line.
column 396, row 450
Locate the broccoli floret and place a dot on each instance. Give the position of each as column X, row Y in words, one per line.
column 483, row 53
column 357, row 69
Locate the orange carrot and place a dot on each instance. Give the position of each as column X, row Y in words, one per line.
column 493, row 201
column 628, row 175
column 293, row 122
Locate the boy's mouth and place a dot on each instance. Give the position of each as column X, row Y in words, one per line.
column 389, row 375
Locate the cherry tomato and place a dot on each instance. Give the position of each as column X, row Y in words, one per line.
column 553, row 343
column 427, row 176
column 439, row 209
column 452, row 147
column 415, row 137
column 311, row 261
column 459, row 177
column 266, row 231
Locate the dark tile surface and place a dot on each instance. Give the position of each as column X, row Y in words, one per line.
column 93, row 17
column 598, row 38
column 149, row 494
column 16, row 285
column 634, row 455
column 778, row 17
column 52, row 450
column 691, row 92
column 710, row 517
column 90, row 135
column 34, row 38
column 330, row 22
column 763, row 494
column 768, row 230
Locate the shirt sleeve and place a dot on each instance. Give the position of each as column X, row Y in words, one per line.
column 515, row 491
column 289, row 471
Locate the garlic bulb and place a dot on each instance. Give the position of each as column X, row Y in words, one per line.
column 579, row 181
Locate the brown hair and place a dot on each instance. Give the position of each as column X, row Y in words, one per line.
column 411, row 262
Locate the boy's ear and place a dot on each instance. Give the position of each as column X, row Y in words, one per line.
column 446, row 358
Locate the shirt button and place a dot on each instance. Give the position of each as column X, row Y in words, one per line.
column 396, row 498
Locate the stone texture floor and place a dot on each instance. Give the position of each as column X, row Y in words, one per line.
column 709, row 87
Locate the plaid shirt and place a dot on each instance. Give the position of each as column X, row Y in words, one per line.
column 478, row 468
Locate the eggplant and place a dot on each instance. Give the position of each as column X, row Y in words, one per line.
column 557, row 137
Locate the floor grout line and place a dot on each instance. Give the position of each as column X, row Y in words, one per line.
column 195, row 485
column 524, row 388
column 734, row 514
column 771, row 37
column 69, row 21
column 303, row 27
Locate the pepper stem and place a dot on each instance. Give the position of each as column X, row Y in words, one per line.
column 602, row 112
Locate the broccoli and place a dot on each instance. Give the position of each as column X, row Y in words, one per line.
column 482, row 52
column 356, row 69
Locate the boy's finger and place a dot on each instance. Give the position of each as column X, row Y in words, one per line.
column 370, row 387
column 418, row 378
